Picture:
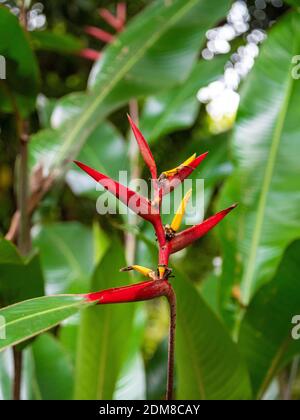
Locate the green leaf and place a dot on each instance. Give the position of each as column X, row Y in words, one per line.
column 157, row 373
column 265, row 336
column 266, row 178
column 103, row 335
column 293, row 2
column 19, row 279
column 209, row 366
column 27, row 319
column 56, row 42
column 143, row 60
column 178, row 107
column 6, row 379
column 131, row 384
column 53, row 369
column 9, row 253
column 105, row 150
column 67, row 107
column 21, row 84
column 45, row 107
column 68, row 256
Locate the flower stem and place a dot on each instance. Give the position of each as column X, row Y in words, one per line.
column 18, row 361
column 171, row 350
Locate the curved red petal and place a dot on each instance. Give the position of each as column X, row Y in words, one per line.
column 172, row 182
column 134, row 293
column 137, row 203
column 188, row 236
column 144, row 149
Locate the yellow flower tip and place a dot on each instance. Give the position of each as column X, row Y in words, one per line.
column 176, row 222
column 140, row 269
column 189, row 160
column 174, row 171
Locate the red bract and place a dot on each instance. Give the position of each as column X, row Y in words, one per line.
column 169, row 240
column 116, row 22
column 90, row 54
column 99, row 34
column 137, row 203
column 168, row 184
column 134, row 293
column 188, row 236
column 144, row 149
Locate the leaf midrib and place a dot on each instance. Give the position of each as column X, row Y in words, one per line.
column 131, row 62
column 48, row 311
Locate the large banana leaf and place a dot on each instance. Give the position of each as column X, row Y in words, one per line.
column 144, row 59
column 131, row 384
column 103, row 334
column 266, row 332
column 208, row 362
column 266, row 179
column 53, row 369
column 27, row 319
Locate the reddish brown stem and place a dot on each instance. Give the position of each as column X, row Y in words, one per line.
column 18, row 370
column 171, row 350
column 24, row 231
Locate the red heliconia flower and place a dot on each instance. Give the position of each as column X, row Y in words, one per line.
column 99, row 34
column 90, row 54
column 179, row 174
column 169, row 239
column 117, row 22
column 188, row 236
column 135, row 293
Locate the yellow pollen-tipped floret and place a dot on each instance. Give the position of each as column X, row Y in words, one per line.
column 176, row 222
column 174, row 171
column 140, row 269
